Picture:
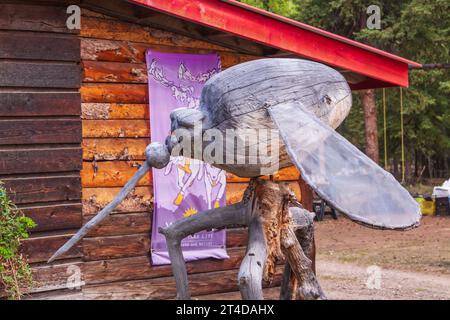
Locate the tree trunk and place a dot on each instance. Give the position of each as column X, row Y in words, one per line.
column 370, row 121
column 307, row 200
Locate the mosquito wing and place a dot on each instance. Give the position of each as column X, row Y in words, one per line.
column 341, row 174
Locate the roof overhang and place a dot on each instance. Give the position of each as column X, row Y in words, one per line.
column 364, row 66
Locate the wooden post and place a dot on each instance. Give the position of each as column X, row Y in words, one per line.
column 307, row 199
column 276, row 230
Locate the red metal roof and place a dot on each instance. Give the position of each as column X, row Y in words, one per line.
column 382, row 68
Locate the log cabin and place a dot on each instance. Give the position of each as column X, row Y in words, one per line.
column 74, row 126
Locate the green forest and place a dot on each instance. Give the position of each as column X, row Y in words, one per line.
column 418, row 30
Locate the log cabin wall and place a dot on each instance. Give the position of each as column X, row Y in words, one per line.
column 115, row 133
column 114, row 258
column 40, row 126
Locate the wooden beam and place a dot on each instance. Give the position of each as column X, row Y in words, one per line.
column 29, row 104
column 40, row 131
column 40, row 160
column 36, row 46
column 40, row 75
column 28, row 190
column 26, row 17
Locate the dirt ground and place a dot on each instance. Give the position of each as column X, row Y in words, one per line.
column 412, row 264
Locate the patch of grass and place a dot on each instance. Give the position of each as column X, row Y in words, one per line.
column 15, row 273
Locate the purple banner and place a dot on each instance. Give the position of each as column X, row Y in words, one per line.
column 185, row 187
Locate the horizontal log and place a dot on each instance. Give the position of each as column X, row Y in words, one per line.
column 134, row 52
column 114, row 111
column 116, row 247
column 38, row 189
column 40, row 160
column 117, row 173
column 113, row 247
column 111, row 174
column 114, row 149
column 94, row 14
column 54, row 277
column 164, row 288
column 34, row 18
column 44, row 131
column 21, row 104
column 41, row 248
column 120, row 30
column 94, row 199
column 40, row 75
column 35, row 46
column 136, row 268
column 121, row 224
column 116, row 129
column 95, row 71
column 114, row 93
column 99, row 71
column 55, row 217
column 236, row 238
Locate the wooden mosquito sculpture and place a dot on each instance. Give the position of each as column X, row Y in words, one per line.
column 304, row 102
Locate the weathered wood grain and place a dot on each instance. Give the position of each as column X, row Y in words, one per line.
column 116, row 129
column 114, row 93
column 117, row 173
column 134, row 52
column 120, row 30
column 100, row 71
column 25, row 190
column 114, row 149
column 121, row 224
column 95, row 71
column 94, row 199
column 111, row 174
column 164, row 288
column 40, row 160
column 35, row 46
column 28, row 104
column 114, row 111
column 159, row 160
column 44, row 131
column 55, row 216
column 40, row 248
column 40, row 75
column 133, row 245
column 141, row 200
column 135, row 268
column 116, row 246
column 28, row 17
column 54, row 277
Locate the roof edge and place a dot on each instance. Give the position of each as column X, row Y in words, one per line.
column 320, row 31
